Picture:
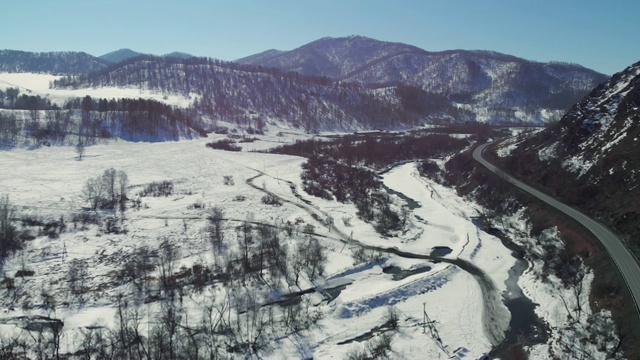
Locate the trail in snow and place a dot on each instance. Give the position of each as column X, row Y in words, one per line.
column 493, row 308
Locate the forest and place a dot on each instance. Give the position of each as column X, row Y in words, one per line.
column 35, row 119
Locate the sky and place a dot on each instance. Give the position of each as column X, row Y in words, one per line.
column 601, row 35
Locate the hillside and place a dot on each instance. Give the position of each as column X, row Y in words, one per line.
column 254, row 95
column 260, row 57
column 56, row 63
column 588, row 157
column 126, row 54
column 500, row 87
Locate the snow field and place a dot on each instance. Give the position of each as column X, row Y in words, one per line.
column 38, row 84
column 49, row 181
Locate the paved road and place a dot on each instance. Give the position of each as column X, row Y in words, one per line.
column 614, row 245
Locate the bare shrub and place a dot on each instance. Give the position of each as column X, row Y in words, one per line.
column 271, row 200
column 228, row 180
column 157, row 189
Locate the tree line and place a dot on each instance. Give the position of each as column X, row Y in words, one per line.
column 378, row 150
column 89, row 119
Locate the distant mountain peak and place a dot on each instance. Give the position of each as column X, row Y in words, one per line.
column 179, row 54
column 120, row 55
column 55, row 62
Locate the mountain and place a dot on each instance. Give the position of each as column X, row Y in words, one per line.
column 262, row 57
column 120, row 55
column 331, row 57
column 57, row 63
column 126, row 54
column 589, row 157
column 252, row 95
column 178, row 54
column 500, row 87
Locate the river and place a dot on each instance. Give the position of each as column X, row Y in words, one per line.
column 524, row 325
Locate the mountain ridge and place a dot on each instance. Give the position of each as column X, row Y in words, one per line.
column 124, row 54
column 252, row 95
column 497, row 88
column 119, row 55
column 503, row 85
column 55, row 62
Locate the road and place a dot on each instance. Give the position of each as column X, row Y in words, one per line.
column 619, row 253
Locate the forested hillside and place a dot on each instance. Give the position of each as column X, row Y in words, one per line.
column 57, row 63
column 252, row 95
column 498, row 87
column 34, row 120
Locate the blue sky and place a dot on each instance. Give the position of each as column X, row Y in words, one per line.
column 602, row 35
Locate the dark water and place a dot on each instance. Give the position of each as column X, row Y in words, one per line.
column 441, row 251
column 525, row 326
column 400, row 273
column 411, row 204
column 296, row 297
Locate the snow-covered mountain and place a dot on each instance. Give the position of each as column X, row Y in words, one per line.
column 504, row 86
column 332, row 57
column 66, row 62
column 253, row 95
column 590, row 157
column 56, row 63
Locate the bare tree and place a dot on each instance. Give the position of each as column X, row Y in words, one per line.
column 128, row 341
column 109, row 182
column 316, row 258
column 246, row 230
column 108, row 190
column 9, row 240
column 77, row 276
column 391, row 318
column 93, row 192
column 80, row 149
column 137, row 267
column 121, row 189
column 228, row 180
column 167, row 256
column 216, row 233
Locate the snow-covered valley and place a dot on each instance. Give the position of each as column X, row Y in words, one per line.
column 46, row 185
column 48, row 182
column 86, row 281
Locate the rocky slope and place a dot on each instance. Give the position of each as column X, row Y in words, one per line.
column 589, row 157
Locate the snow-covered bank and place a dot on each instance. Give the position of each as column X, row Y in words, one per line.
column 575, row 330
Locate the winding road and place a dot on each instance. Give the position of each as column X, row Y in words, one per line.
column 622, row 257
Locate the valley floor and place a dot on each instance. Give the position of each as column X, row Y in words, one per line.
column 48, row 182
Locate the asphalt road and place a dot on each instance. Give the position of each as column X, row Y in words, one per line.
column 619, row 253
